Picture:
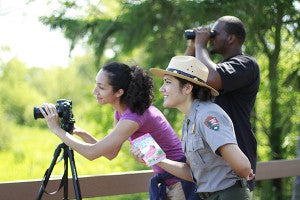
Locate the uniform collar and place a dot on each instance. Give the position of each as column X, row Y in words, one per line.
column 193, row 110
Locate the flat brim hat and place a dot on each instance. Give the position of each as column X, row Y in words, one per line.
column 188, row 68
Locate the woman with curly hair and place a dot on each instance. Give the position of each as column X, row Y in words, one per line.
column 129, row 90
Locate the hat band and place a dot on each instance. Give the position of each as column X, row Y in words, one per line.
column 184, row 74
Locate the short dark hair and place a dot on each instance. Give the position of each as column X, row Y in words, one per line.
column 234, row 26
column 198, row 92
column 136, row 83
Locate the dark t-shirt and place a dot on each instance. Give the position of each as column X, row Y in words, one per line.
column 241, row 78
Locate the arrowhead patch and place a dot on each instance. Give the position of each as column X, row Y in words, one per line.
column 212, row 123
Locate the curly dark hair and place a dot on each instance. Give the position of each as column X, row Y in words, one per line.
column 136, row 83
column 198, row 92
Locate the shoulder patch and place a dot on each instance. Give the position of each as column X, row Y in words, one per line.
column 212, row 123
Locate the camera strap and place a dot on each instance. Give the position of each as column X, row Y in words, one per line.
column 62, row 182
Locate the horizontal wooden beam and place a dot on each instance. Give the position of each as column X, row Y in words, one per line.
column 125, row 183
column 90, row 186
column 277, row 169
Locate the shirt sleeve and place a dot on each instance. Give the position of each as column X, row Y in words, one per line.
column 217, row 129
column 237, row 72
column 133, row 117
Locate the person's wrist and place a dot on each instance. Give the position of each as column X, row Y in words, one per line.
column 58, row 131
column 200, row 45
column 191, row 43
column 75, row 133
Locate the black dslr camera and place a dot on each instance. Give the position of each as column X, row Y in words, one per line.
column 64, row 110
column 190, row 34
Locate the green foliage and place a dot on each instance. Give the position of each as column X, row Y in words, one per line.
column 5, row 131
column 20, row 132
column 266, row 185
column 141, row 196
column 13, row 86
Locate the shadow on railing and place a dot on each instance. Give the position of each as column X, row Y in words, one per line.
column 126, row 183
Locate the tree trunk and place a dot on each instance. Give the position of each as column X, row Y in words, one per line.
column 296, row 187
column 275, row 128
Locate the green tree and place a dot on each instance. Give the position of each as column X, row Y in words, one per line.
column 16, row 93
column 273, row 25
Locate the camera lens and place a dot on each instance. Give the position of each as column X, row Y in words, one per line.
column 37, row 113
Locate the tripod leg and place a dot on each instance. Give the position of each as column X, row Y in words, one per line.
column 74, row 174
column 65, row 172
column 49, row 171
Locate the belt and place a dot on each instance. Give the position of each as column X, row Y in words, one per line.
column 204, row 195
column 239, row 183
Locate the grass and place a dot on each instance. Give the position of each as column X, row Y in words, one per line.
column 31, row 151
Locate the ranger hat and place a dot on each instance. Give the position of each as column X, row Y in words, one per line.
column 188, row 68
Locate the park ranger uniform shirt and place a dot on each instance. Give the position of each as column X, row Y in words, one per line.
column 206, row 128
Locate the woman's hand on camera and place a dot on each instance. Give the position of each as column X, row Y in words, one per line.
column 79, row 131
column 83, row 134
column 51, row 116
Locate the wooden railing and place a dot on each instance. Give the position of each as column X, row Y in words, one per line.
column 125, row 183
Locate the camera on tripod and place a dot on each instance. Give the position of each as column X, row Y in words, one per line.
column 64, row 110
column 190, row 34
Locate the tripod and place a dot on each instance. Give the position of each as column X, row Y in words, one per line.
column 67, row 153
column 64, row 110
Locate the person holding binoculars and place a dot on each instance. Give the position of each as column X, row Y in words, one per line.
column 237, row 77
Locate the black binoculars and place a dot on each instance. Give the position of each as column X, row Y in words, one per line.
column 190, row 34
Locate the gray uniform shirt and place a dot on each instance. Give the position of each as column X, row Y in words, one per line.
column 206, row 128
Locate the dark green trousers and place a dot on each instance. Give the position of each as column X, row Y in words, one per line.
column 232, row 193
